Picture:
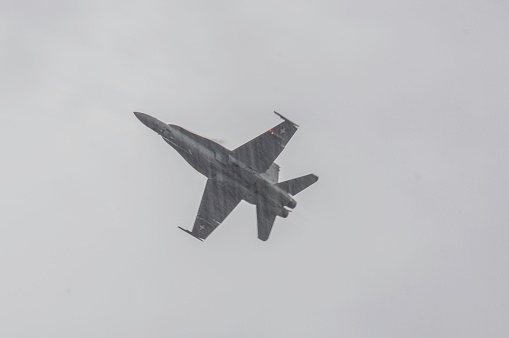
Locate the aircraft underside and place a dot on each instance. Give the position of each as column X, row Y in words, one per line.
column 248, row 173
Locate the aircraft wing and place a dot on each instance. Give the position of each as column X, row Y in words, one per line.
column 265, row 220
column 217, row 203
column 262, row 151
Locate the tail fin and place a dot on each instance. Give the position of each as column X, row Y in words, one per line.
column 272, row 174
column 296, row 185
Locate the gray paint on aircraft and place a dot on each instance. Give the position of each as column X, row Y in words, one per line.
column 246, row 173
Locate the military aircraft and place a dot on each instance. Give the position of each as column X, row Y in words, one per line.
column 246, row 173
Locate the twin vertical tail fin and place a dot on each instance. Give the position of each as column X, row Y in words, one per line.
column 266, row 214
column 272, row 174
column 296, row 185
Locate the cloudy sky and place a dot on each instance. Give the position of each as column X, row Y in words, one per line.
column 403, row 108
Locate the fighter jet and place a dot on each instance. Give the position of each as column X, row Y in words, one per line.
column 246, row 173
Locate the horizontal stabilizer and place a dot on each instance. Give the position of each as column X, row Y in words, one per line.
column 296, row 185
column 266, row 220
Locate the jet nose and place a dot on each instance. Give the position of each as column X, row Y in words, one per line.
column 144, row 118
column 151, row 122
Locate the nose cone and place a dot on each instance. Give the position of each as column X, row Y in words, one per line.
column 140, row 116
column 151, row 122
column 147, row 120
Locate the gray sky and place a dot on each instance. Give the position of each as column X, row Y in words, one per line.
column 403, row 109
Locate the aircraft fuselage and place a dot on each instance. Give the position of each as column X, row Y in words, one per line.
column 216, row 162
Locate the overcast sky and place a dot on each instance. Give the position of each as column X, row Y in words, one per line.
column 403, row 108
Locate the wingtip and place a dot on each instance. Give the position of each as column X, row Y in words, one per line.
column 286, row 119
column 189, row 232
